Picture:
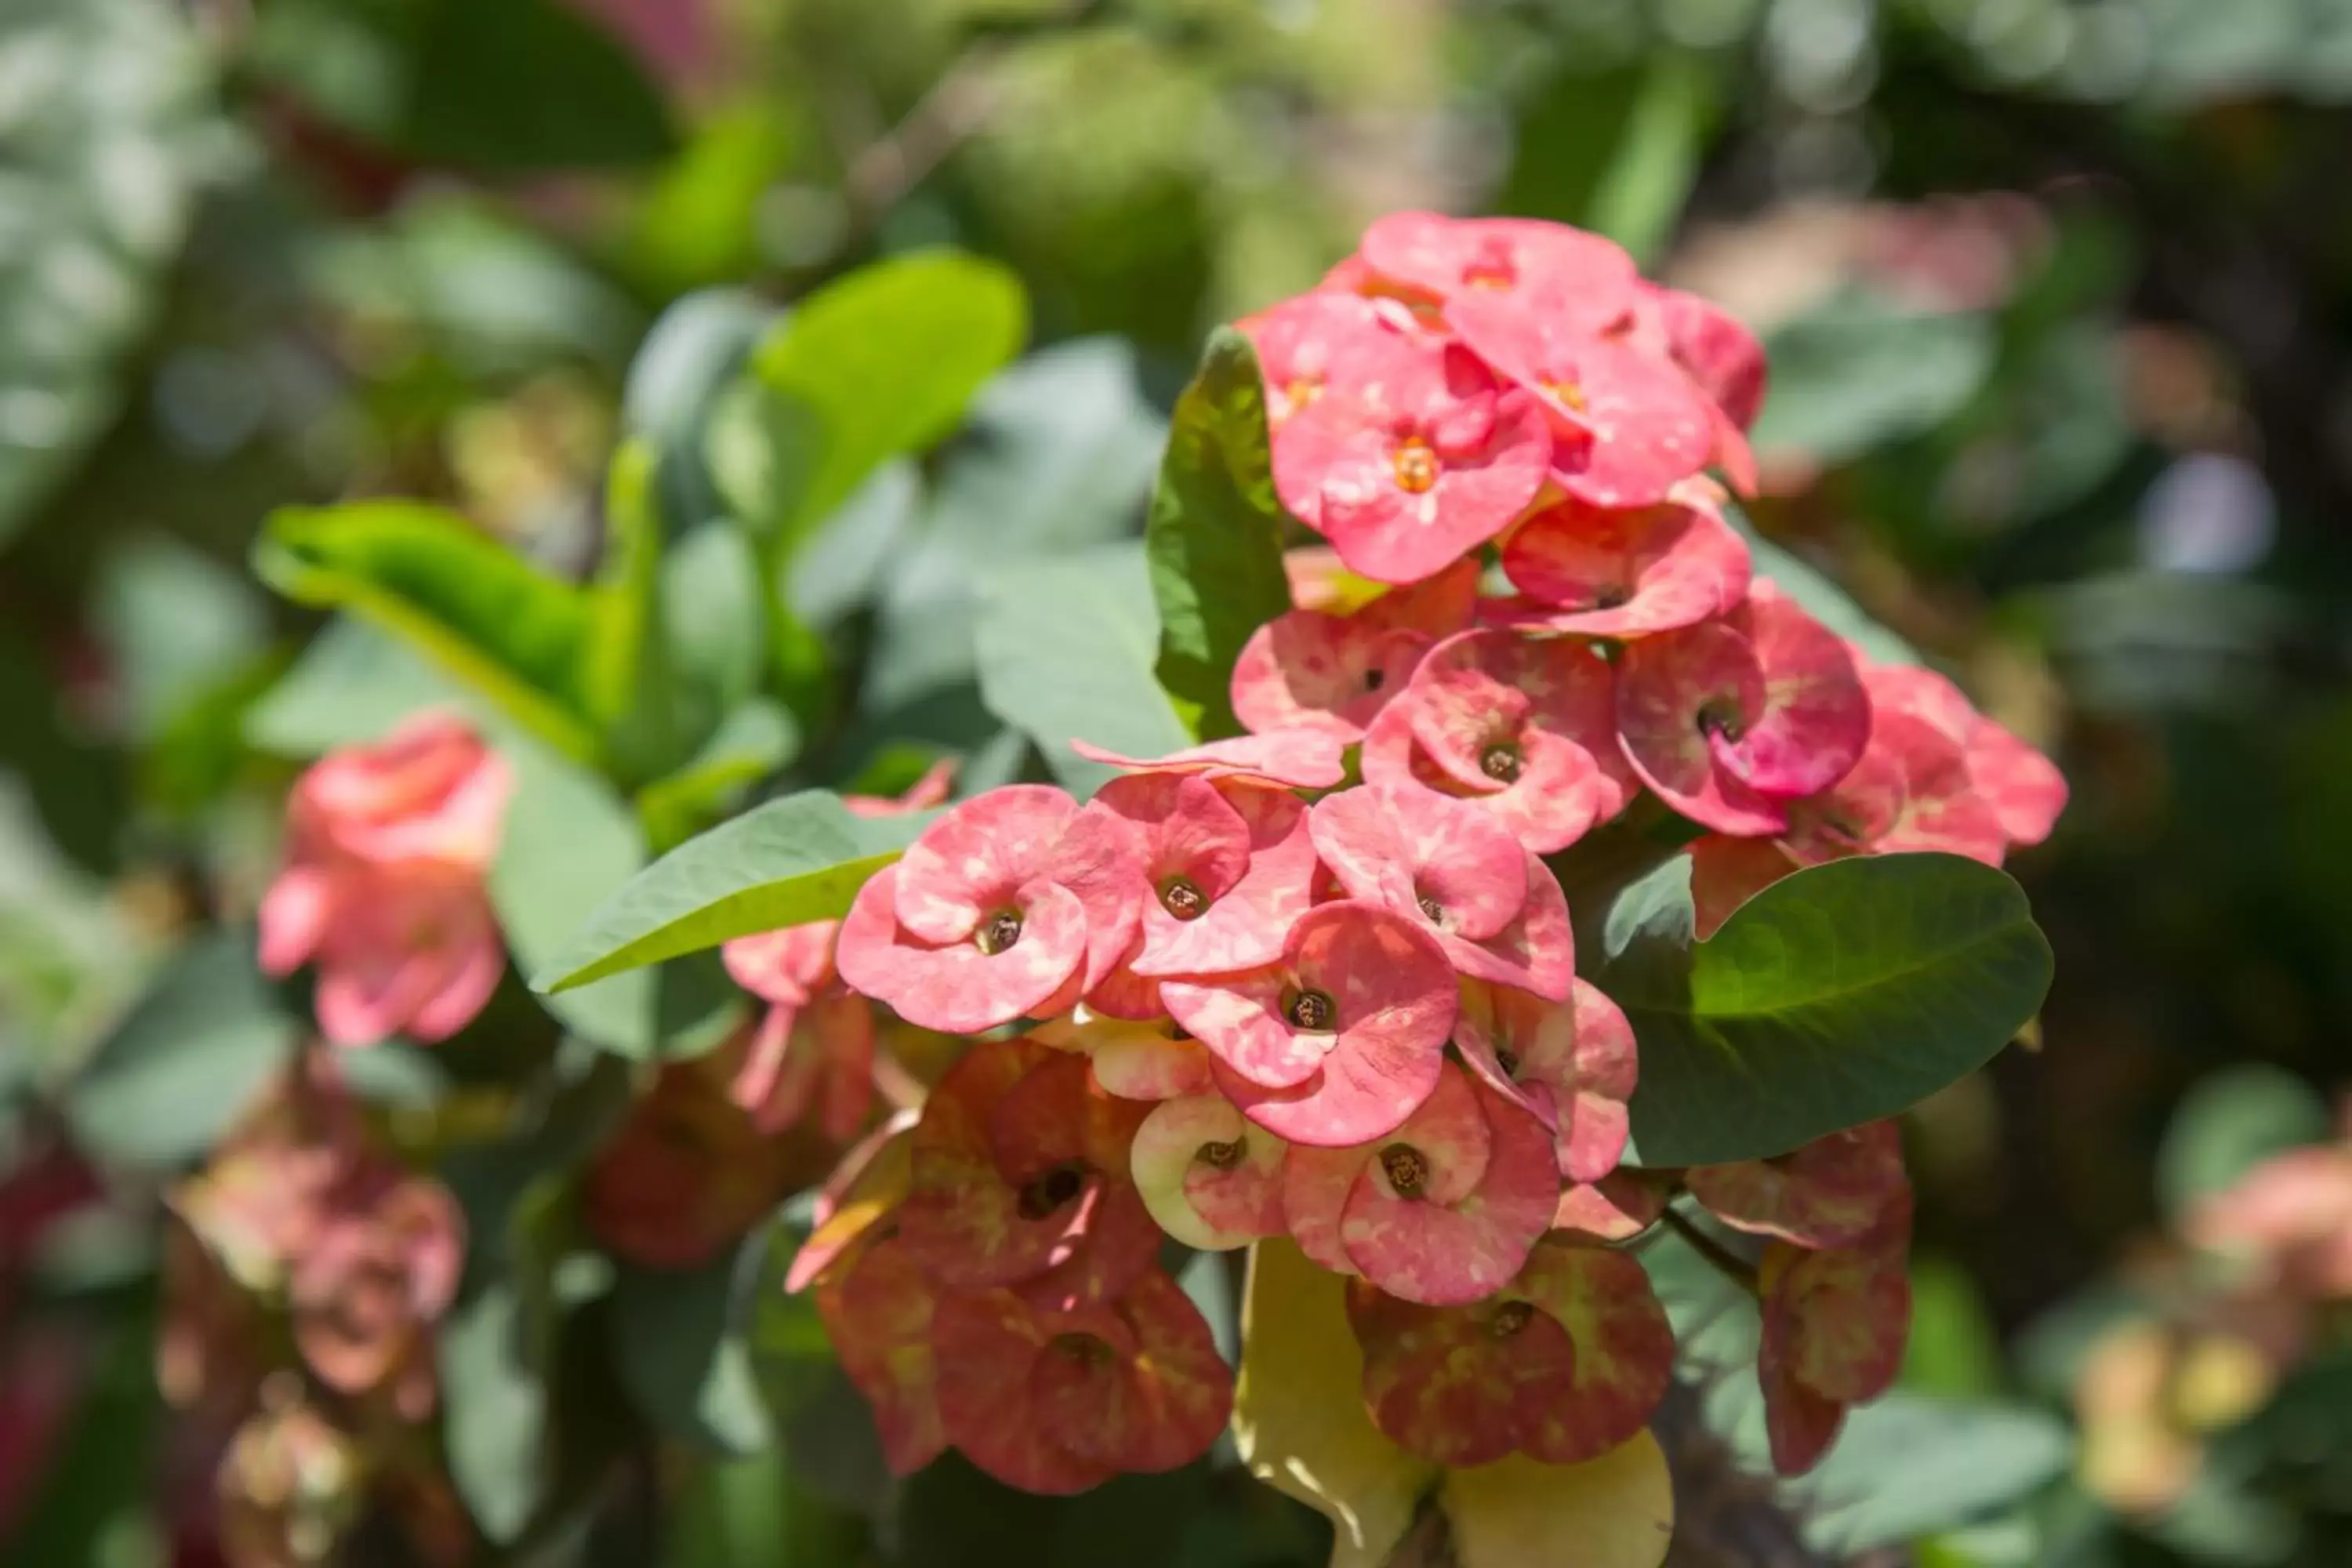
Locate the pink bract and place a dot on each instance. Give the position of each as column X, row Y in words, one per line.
column 1521, row 727
column 788, row 965
column 431, row 792
column 1910, row 791
column 1724, row 359
column 1626, row 426
column 1497, row 908
column 1837, row 1191
column 1223, row 871
column 1442, row 1210
column 1311, row 341
column 1834, row 1327
column 816, row 1055
column 1573, row 1064
column 1727, row 872
column 1307, row 669
column 1448, row 260
column 397, row 954
column 878, row 1314
column 1731, row 719
column 1296, row 757
column 1625, row 573
column 1420, row 462
column 1338, row 1042
column 2023, row 789
column 1211, row 1179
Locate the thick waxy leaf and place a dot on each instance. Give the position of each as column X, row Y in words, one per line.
column 191, row 1056
column 679, row 1346
column 880, row 362
column 1860, row 370
column 800, row 859
column 1298, row 1409
column 1214, row 537
column 1065, row 652
column 1842, row 994
column 1615, row 1512
column 475, row 609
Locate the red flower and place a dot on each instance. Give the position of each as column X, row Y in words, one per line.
column 685, row 1175
column 1341, row 1039
column 1223, row 871
column 1626, row 573
column 1574, row 1064
column 1836, row 1191
column 879, row 1311
column 1834, row 1327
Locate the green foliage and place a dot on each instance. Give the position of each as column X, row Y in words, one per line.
column 1860, row 371
column 1214, row 539
column 680, row 1346
column 800, row 859
column 1838, row 995
column 2230, row 1123
column 527, row 86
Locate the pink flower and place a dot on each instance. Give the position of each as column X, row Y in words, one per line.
column 1834, row 1327
column 1341, row 1039
column 1441, row 1210
column 1573, row 1064
column 1732, row 719
column 1311, row 341
column 1496, row 908
column 814, row 1048
column 1837, row 1191
column 2293, row 1214
column 1626, row 426
column 1910, row 791
column 1210, row 1179
column 368, row 1290
column 1626, row 573
column 1727, row 872
column 1307, row 669
column 1723, row 358
column 1589, row 280
column 1223, row 871
column 1413, row 465
column 877, row 1311
column 1299, row 757
column 2023, row 789
column 387, row 848
column 1521, row 727
column 1007, row 906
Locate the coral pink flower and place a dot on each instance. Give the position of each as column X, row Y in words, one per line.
column 814, row 1048
column 1726, row 362
column 1299, row 757
column 1307, row 669
column 1409, row 468
column 1007, row 906
column 1626, row 426
column 1620, row 1206
column 1834, row 1327
column 368, row 1290
column 1732, row 719
column 1496, row 908
column 1836, row 1191
column 1626, row 573
column 1342, row 1038
column 878, row 1312
column 1223, row 871
column 1442, row 1210
column 1020, row 1178
column 1521, row 727
column 1058, row 1401
column 1574, row 1064
column 1589, row 280
column 1566, row 1363
column 685, row 1175
column 1911, row 790
column 1134, row 1058
column 387, row 847
column 932, row 789
column 1211, row 1179
column 1308, row 342
column 2023, row 789
column 2293, row 1215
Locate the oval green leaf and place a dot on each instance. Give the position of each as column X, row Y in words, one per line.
column 800, row 859
column 1837, row 996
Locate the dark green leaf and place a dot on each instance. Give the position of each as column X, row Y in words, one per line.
column 754, row 741
column 878, row 363
column 2230, row 1123
column 1065, row 653
column 1859, row 371
column 1640, row 195
column 627, row 674
column 1838, row 995
column 479, row 611
column 679, row 1346
column 800, row 859
column 197, row 1049
column 1214, row 538
column 527, row 87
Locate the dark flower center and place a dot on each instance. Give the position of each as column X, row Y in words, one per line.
column 1501, row 762
column 1225, row 1156
column 1511, row 1317
column 1375, row 678
column 1000, row 931
column 1183, row 899
column 1609, row 597
column 1719, row 717
column 1084, row 1349
column 1042, row 1196
column 1432, row 909
column 1313, row 1012
column 1508, row 1060
column 1407, row 1169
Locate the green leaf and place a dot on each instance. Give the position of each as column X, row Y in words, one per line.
column 1640, row 195
column 1820, row 597
column 876, row 363
column 1838, row 995
column 1214, row 538
column 495, row 1403
column 800, row 859
column 191, row 1056
column 528, row 87
column 756, row 740
column 679, row 1342
column 626, row 672
column 479, row 611
column 2230, row 1122
column 1860, row 371
column 1065, row 653
column 351, row 685
column 714, row 625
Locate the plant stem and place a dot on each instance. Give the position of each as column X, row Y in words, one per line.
column 1728, row 1263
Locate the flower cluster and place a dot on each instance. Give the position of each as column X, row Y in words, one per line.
column 1319, row 980
column 387, row 849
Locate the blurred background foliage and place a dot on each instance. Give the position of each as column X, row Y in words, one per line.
column 2059, row 294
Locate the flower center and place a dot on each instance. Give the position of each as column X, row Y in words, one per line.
column 1049, row 1192
column 1407, row 1169
column 1569, row 394
column 1508, row 1060
column 1416, row 465
column 1375, row 678
column 1084, row 1349
column 1718, row 716
column 1431, row 910
column 1609, row 597
column 1501, row 762
column 1000, row 931
column 1183, row 899
column 1313, row 1012
column 1302, row 391
column 1511, row 1317
column 1224, row 1155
